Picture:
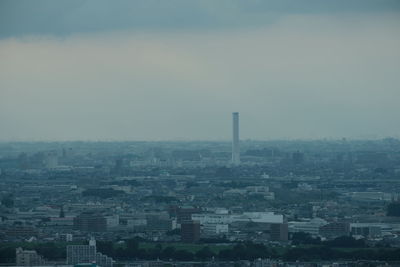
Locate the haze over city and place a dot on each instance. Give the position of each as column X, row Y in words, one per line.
column 200, row 133
column 176, row 70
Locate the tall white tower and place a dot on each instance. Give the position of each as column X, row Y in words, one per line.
column 235, row 139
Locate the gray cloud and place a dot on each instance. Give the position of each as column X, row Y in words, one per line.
column 305, row 76
column 64, row 17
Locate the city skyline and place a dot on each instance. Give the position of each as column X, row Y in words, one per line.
column 259, row 133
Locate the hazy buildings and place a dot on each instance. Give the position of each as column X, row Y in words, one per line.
column 220, row 224
column 279, row 231
column 90, row 222
column 87, row 254
column 185, row 213
column 334, row 229
column 21, row 232
column 81, row 253
column 51, row 160
column 159, row 222
column 190, row 231
column 28, row 258
column 235, row 139
column 116, row 208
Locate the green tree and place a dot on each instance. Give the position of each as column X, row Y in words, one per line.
column 7, row 255
column 168, row 253
column 105, row 247
column 393, row 209
column 205, row 253
column 345, row 242
column 183, row 255
column 8, row 201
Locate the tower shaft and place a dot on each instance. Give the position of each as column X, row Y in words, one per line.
column 235, row 139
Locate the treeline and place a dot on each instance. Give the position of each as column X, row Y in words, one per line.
column 328, row 253
column 49, row 251
column 302, row 238
column 132, row 250
column 250, row 251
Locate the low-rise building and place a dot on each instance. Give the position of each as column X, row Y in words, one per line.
column 90, row 222
column 190, row 231
column 334, row 229
column 28, row 258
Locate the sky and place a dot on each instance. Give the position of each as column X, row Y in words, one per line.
column 175, row 70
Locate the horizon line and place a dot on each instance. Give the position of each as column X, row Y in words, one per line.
column 201, row 140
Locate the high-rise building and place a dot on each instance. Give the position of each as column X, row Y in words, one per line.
column 235, row 139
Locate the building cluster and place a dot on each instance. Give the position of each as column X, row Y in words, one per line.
column 77, row 255
column 190, row 192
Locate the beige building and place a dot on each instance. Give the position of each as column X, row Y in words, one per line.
column 28, row 258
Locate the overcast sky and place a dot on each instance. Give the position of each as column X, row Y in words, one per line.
column 177, row 69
